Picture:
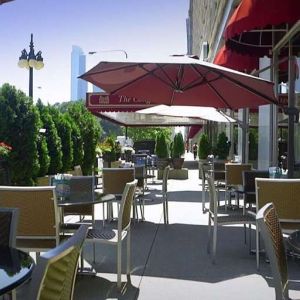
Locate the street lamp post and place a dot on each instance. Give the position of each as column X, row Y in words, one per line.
column 29, row 61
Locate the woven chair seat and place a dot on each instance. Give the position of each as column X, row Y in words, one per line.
column 236, row 219
column 95, row 233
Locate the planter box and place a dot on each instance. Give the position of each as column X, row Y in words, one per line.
column 180, row 174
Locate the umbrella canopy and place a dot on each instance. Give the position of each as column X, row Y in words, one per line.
column 182, row 81
column 256, row 24
column 133, row 119
column 4, row 1
column 205, row 113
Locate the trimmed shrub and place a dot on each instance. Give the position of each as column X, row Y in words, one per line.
column 204, row 148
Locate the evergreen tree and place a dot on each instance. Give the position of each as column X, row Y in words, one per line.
column 19, row 125
column 53, row 140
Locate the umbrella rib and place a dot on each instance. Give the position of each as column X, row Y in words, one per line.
column 246, row 87
column 166, row 74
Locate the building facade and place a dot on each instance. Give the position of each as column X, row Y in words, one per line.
column 78, row 67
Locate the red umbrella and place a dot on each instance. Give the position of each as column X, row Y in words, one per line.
column 255, row 23
column 182, row 81
column 4, row 1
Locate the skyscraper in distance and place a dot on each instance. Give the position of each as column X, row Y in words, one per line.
column 78, row 67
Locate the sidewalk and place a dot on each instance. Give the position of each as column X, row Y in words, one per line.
column 171, row 262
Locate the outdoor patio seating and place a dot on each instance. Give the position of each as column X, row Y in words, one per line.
column 8, row 224
column 38, row 227
column 248, row 188
column 284, row 194
column 116, row 237
column 114, row 181
column 230, row 218
column 81, row 189
column 269, row 226
column 55, row 273
column 234, row 179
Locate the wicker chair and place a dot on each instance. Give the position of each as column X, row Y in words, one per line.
column 231, row 218
column 114, row 181
column 269, row 226
column 249, row 185
column 81, row 189
column 8, row 224
column 38, row 227
column 284, row 193
column 55, row 274
column 116, row 237
column 234, row 179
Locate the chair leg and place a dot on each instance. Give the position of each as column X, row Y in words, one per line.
column 214, row 242
column 128, row 252
column 119, row 264
column 209, row 234
column 203, row 195
column 167, row 209
column 257, row 247
column 245, row 233
column 164, row 209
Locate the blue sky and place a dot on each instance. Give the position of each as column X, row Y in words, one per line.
column 144, row 28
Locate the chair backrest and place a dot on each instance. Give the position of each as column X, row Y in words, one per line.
column 8, row 225
column 82, row 188
column 201, row 170
column 233, row 173
column 270, row 228
column 219, row 166
column 38, row 214
column 165, row 179
column 115, row 179
column 284, row 193
column 55, row 274
column 125, row 209
column 249, row 179
column 213, row 203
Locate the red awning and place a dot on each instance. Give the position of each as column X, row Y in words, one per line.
column 194, row 130
column 230, row 59
column 249, row 29
column 245, row 63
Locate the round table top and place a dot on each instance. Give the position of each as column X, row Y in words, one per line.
column 99, row 198
column 15, row 267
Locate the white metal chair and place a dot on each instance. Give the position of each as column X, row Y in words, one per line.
column 165, row 194
column 116, row 237
column 228, row 218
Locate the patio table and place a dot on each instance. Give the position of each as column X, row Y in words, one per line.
column 16, row 267
column 100, row 197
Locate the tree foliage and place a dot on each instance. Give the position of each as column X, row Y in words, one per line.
column 19, row 125
column 148, row 133
column 178, row 146
column 222, row 146
column 53, row 140
column 64, row 131
column 90, row 131
column 161, row 147
column 204, row 148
